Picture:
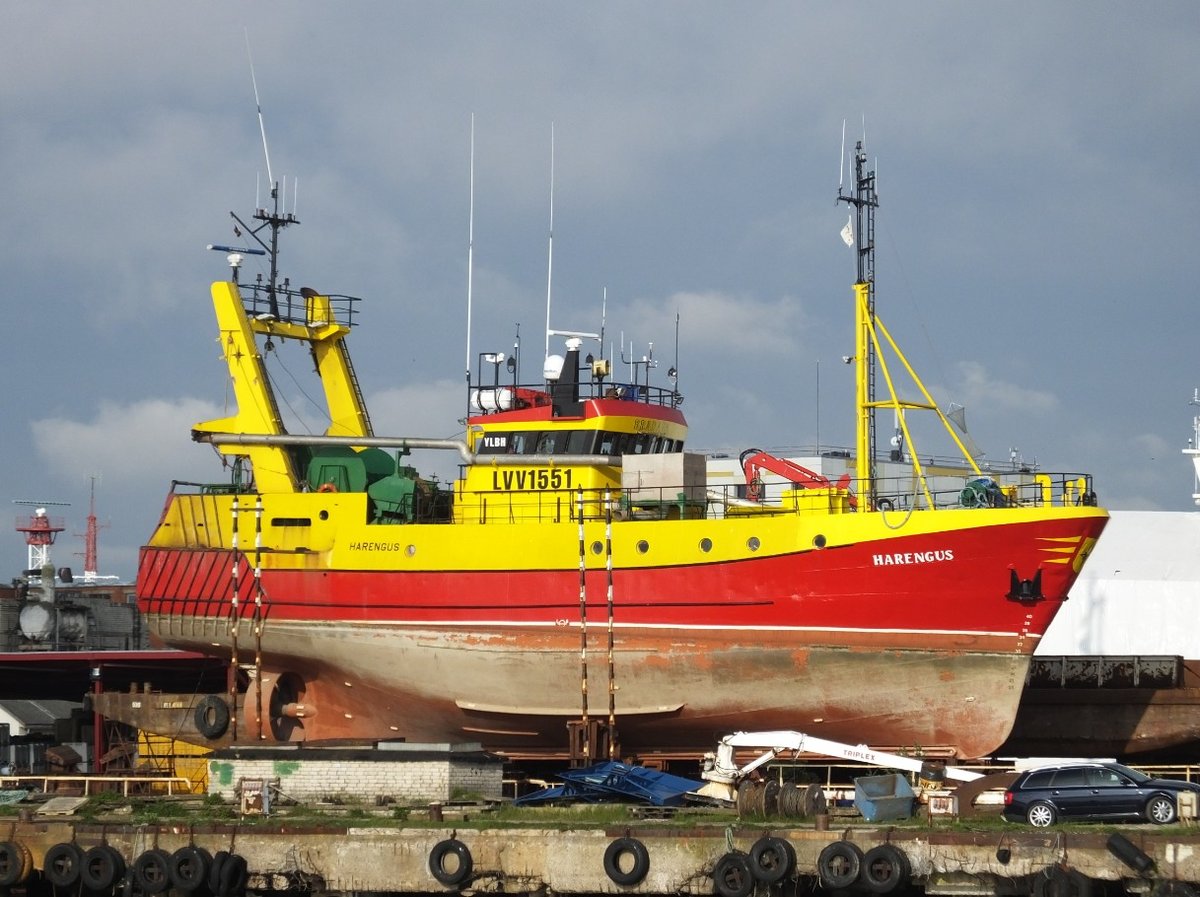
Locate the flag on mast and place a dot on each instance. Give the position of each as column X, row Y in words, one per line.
column 848, row 231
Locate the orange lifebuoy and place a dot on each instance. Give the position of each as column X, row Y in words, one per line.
column 327, row 487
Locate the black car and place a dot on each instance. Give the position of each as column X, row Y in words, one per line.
column 1043, row 796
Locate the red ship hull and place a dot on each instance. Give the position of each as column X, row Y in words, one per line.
column 892, row 641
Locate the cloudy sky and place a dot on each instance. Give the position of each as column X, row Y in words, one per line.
column 1035, row 239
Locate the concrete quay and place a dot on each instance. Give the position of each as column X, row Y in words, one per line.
column 651, row 857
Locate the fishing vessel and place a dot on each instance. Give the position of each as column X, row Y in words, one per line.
column 579, row 582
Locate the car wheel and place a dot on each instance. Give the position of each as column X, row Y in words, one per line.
column 1160, row 810
column 1041, row 815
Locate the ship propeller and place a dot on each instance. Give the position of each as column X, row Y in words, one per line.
column 288, row 710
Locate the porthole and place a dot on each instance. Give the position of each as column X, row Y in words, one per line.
column 706, row 544
column 324, row 515
column 410, row 550
column 643, row 546
column 819, row 540
column 597, row 547
column 753, row 544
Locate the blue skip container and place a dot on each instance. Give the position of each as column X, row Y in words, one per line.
column 884, row 797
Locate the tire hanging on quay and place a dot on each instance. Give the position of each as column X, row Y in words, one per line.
column 189, row 868
column 732, row 876
column 62, row 864
column 838, row 865
column 885, row 867
column 16, row 863
column 615, row 854
column 458, row 870
column 772, row 859
column 101, row 869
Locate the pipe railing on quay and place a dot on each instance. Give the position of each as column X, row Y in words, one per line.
column 174, row 784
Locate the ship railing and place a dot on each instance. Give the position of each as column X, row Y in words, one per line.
column 491, row 398
column 808, row 453
column 630, row 392
column 696, row 501
column 990, row 489
column 189, row 487
column 594, row 504
column 699, row 500
column 291, row 307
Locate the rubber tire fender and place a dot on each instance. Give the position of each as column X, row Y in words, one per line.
column 211, row 716
column 220, row 858
column 612, row 861
column 152, row 871
column 189, row 868
column 437, row 866
column 15, row 863
column 234, row 875
column 62, row 864
column 838, row 865
column 101, row 868
column 732, row 876
column 885, row 867
column 772, row 859
column 1129, row 853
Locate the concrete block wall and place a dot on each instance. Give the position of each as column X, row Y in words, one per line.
column 403, row 779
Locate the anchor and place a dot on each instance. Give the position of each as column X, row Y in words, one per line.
column 1025, row 590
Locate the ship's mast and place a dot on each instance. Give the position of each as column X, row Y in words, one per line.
column 276, row 219
column 864, row 200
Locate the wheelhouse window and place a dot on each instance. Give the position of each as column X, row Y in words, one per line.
column 554, row 442
column 581, row 442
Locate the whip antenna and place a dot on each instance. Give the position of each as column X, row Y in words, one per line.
column 261, row 126
column 470, row 246
column 842, row 160
column 550, row 252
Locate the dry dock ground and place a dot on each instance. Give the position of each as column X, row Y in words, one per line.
column 587, row 854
